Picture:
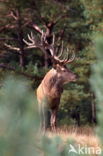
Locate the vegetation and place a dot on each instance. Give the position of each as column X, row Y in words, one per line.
column 20, row 132
column 97, row 77
column 79, row 25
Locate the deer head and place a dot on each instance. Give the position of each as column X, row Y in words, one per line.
column 59, row 65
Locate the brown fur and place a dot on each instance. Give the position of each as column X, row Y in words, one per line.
column 50, row 90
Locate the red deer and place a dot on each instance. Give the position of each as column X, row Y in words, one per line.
column 50, row 90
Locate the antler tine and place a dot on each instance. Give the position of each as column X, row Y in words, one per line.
column 66, row 56
column 52, row 49
column 71, row 59
column 53, row 40
column 28, row 43
column 31, row 38
column 42, row 35
column 57, row 58
column 56, row 50
column 61, row 51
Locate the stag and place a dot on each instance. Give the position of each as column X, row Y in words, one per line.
column 50, row 89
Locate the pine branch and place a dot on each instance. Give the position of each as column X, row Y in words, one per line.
column 7, row 67
column 8, row 26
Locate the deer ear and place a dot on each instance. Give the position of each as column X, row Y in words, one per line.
column 58, row 67
column 54, row 65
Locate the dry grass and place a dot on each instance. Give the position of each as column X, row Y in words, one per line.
column 82, row 135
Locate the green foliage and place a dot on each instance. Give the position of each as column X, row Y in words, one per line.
column 18, row 117
column 97, row 82
column 20, row 134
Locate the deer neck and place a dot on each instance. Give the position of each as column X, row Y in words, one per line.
column 52, row 81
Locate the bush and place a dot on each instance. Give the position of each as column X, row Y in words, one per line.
column 19, row 132
column 97, row 83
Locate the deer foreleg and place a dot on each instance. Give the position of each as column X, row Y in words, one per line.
column 53, row 119
column 43, row 112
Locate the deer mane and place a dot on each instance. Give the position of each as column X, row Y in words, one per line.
column 50, row 79
column 52, row 84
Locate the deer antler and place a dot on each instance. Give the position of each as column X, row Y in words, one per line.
column 57, row 58
column 44, row 46
column 32, row 43
column 69, row 60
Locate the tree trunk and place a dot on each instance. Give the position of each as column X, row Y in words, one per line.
column 93, row 105
column 20, row 39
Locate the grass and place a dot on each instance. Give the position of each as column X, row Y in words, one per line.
column 85, row 136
